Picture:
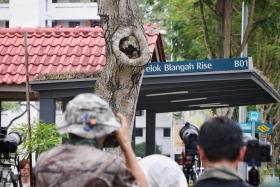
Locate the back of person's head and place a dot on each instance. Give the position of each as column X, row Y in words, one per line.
column 162, row 171
column 96, row 182
column 221, row 139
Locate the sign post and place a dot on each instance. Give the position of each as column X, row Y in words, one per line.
column 254, row 117
column 246, row 127
column 264, row 128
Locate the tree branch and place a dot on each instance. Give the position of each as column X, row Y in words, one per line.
column 210, row 6
column 205, row 31
column 248, row 29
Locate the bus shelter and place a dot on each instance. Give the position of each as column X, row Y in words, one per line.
column 175, row 86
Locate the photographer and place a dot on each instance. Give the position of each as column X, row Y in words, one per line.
column 90, row 123
column 220, row 147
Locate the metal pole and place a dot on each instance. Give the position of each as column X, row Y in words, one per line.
column 242, row 168
column 172, row 154
column 133, row 134
column 0, row 113
column 244, row 53
column 28, row 101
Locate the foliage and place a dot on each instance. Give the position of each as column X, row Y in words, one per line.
column 277, row 172
column 177, row 115
column 140, row 149
column 182, row 20
column 11, row 106
column 44, row 136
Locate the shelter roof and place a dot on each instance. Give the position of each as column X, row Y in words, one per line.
column 57, row 50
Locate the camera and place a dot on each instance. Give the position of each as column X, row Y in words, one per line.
column 9, row 142
column 9, row 160
column 191, row 162
column 257, row 152
column 189, row 135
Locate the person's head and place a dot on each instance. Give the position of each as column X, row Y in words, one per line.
column 87, row 116
column 24, row 167
column 221, row 139
column 162, row 171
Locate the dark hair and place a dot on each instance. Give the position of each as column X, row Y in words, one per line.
column 96, row 182
column 220, row 138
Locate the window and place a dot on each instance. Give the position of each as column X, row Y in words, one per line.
column 138, row 132
column 54, row 23
column 94, row 23
column 7, row 24
column 4, row 1
column 166, row 132
column 74, row 24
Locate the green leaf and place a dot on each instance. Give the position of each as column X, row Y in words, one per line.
column 44, row 137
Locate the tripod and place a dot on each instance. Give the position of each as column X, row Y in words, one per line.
column 254, row 176
column 192, row 167
column 8, row 164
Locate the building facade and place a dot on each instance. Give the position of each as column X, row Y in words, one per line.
column 48, row 13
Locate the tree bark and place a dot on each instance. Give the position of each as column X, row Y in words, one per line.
column 126, row 54
column 227, row 27
column 220, row 27
column 224, row 27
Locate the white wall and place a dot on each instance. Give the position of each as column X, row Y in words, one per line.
column 72, row 11
column 27, row 13
column 7, row 116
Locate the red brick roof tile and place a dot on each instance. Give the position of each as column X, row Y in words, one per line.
column 55, row 50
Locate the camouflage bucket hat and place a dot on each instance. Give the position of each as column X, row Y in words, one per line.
column 88, row 116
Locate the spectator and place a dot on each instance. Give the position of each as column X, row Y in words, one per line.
column 161, row 171
column 221, row 147
column 25, row 172
column 89, row 122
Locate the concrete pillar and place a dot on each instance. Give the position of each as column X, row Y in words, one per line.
column 150, row 132
column 47, row 110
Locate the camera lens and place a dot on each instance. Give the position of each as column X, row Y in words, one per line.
column 189, row 135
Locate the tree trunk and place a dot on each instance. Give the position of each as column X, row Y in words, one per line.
column 224, row 8
column 227, row 27
column 220, row 27
column 126, row 54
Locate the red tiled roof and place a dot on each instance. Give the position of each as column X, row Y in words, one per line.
column 54, row 50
